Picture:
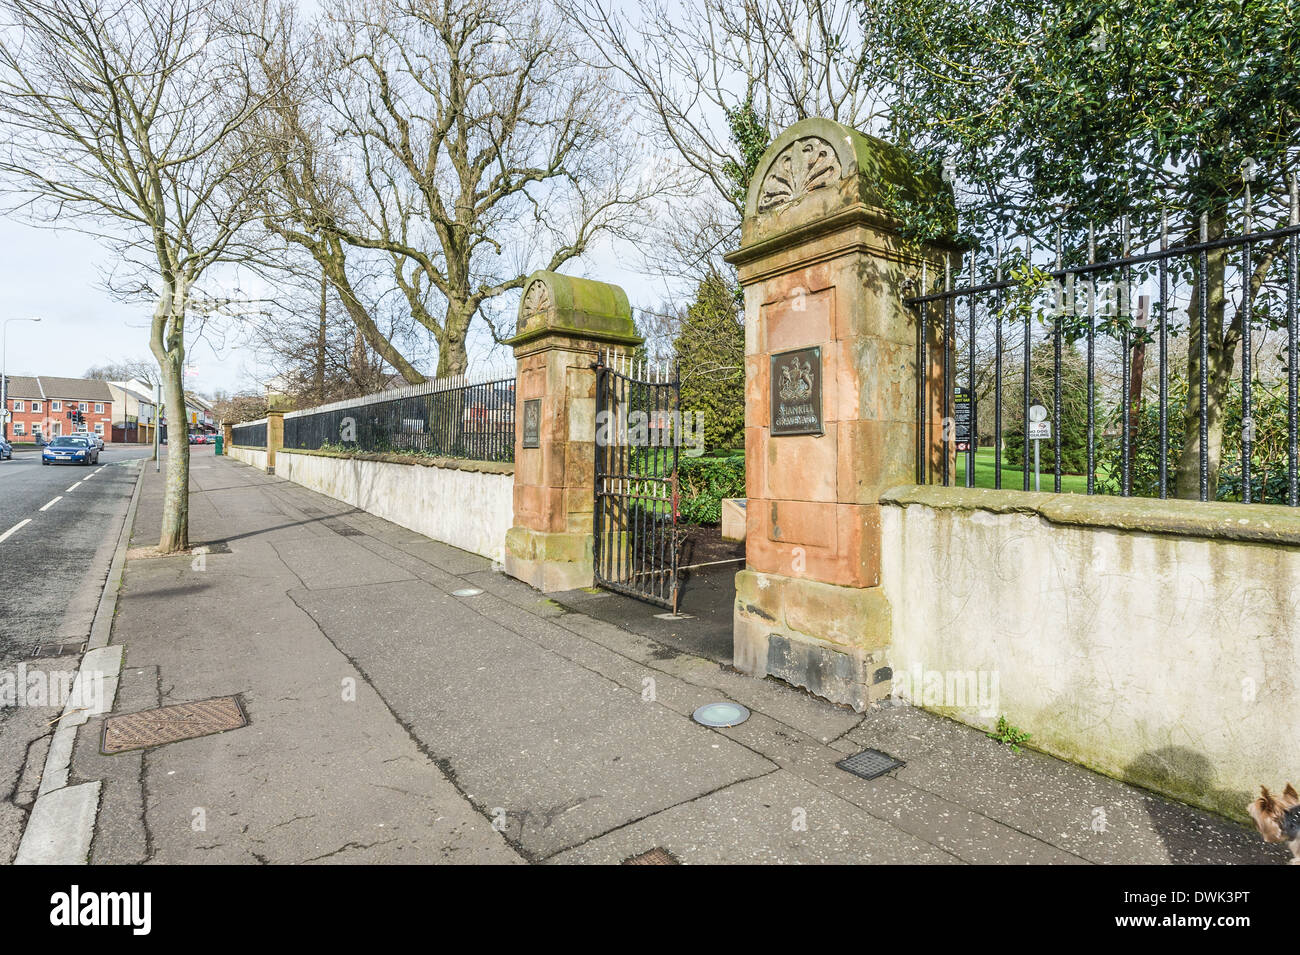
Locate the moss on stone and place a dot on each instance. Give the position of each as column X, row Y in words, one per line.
column 1215, row 520
column 454, row 464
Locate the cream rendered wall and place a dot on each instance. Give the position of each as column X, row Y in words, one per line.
column 1168, row 660
column 469, row 509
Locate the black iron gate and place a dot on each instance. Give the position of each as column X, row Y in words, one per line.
column 638, row 424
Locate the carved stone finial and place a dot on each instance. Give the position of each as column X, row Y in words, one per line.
column 803, row 166
column 536, row 305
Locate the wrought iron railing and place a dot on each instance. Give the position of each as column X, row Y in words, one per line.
column 1101, row 315
column 249, row 434
column 450, row 417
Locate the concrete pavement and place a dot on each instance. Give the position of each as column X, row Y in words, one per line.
column 394, row 721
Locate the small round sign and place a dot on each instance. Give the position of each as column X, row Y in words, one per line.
column 720, row 714
column 1037, row 413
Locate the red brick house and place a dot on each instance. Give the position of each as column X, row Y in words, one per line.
column 42, row 406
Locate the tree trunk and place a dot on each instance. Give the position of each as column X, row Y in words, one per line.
column 453, row 359
column 319, row 383
column 1221, row 350
column 167, row 342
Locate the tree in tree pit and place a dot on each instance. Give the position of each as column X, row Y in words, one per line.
column 119, row 120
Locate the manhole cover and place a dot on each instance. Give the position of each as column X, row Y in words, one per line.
column 870, row 763
column 344, row 530
column 720, row 714
column 656, row 856
column 169, row 724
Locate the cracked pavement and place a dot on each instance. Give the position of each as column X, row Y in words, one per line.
column 392, row 722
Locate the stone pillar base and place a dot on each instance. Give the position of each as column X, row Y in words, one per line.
column 828, row 639
column 551, row 561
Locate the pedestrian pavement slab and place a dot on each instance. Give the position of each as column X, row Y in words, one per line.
column 392, row 721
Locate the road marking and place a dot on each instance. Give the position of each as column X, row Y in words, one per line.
column 97, row 470
column 75, row 486
column 14, row 530
column 52, row 503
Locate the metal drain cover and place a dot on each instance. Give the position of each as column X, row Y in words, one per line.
column 170, row 724
column 656, row 856
column 466, row 592
column 720, row 714
column 870, row 763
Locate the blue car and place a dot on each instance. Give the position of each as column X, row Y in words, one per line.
column 69, row 449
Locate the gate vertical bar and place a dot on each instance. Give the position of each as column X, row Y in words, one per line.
column 1292, row 360
column 1203, row 314
column 1164, row 356
column 1092, row 361
column 1247, row 405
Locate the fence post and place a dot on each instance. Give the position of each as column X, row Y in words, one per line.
column 831, row 416
column 274, row 437
column 563, row 325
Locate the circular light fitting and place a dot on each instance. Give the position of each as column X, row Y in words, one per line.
column 720, row 714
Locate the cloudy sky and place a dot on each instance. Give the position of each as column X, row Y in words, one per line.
column 58, row 276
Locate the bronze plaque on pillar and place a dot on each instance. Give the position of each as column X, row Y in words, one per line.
column 796, row 391
column 533, row 423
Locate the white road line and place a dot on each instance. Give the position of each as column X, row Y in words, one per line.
column 75, row 486
column 52, row 503
column 14, row 530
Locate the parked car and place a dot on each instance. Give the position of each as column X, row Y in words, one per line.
column 70, row 449
column 6, row 450
column 90, row 436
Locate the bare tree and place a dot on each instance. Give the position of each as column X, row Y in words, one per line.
column 121, row 120
column 463, row 144
column 716, row 80
column 126, row 369
column 308, row 204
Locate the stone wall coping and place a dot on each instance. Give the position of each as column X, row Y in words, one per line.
column 1218, row 520
column 451, row 464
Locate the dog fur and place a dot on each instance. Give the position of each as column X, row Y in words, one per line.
column 1278, row 818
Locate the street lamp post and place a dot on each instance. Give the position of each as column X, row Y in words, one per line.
column 4, row 378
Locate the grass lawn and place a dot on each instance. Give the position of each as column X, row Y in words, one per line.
column 1013, row 477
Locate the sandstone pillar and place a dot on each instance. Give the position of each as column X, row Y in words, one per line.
column 274, row 437
column 830, row 407
column 564, row 323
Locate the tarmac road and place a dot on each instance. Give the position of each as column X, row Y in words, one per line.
column 58, row 527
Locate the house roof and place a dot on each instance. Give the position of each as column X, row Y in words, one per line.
column 75, row 389
column 20, row 386
column 136, row 389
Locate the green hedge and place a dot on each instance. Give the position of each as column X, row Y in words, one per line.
column 704, row 482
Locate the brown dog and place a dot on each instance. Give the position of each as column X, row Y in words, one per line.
column 1278, row 818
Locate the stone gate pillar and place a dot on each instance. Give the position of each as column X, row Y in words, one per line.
column 564, row 323
column 830, row 405
column 274, row 437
